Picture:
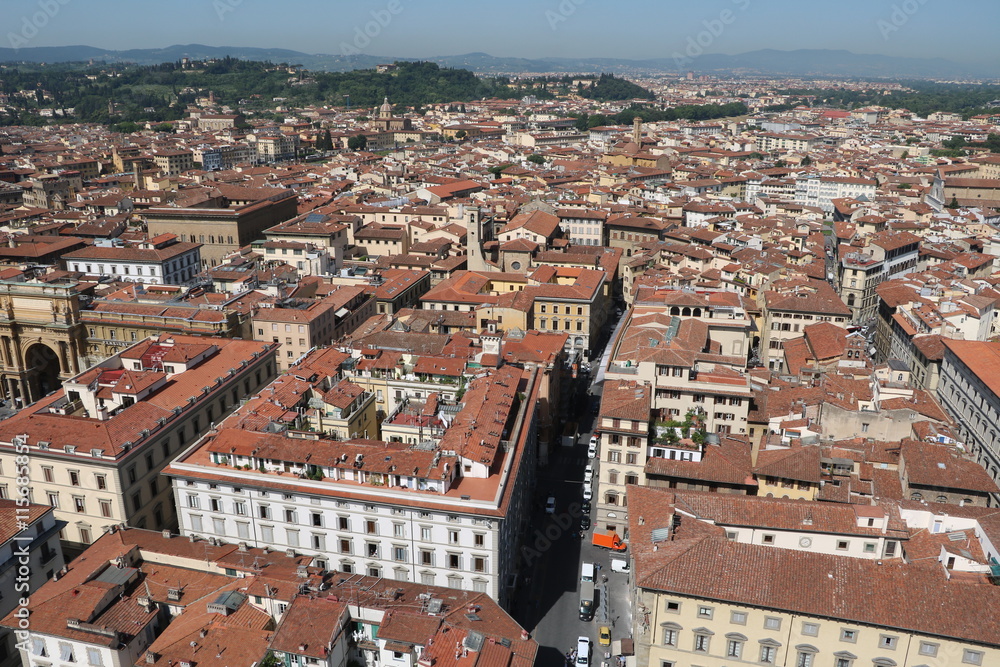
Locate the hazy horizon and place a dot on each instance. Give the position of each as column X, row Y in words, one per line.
column 518, row 28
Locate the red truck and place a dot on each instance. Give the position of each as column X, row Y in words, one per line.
column 609, row 540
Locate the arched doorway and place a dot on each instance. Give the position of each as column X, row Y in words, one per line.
column 42, row 368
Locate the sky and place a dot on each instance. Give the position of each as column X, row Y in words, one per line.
column 959, row 30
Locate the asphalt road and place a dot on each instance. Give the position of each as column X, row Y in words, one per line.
column 551, row 610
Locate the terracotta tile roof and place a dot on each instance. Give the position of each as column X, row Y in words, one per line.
column 941, row 466
column 857, row 590
column 800, row 463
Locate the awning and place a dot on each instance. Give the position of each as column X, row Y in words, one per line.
column 622, row 647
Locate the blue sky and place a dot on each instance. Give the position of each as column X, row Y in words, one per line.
column 960, row 30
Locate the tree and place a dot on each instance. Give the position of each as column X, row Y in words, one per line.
column 324, row 142
column 905, row 155
column 535, row 158
column 358, row 142
column 953, row 203
column 806, row 161
column 163, row 127
column 954, row 142
column 756, row 156
column 498, row 169
column 461, row 134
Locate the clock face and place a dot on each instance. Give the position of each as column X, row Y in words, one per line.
column 805, row 542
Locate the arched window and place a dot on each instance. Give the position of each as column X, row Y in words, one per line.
column 916, row 496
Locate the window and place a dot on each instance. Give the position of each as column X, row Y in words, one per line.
column 810, row 629
column 105, row 506
column 772, row 623
column 74, row 478
column 345, row 546
column 102, row 482
column 842, row 545
column 66, row 653
column 738, row 618
column 399, row 554
column 193, row 502
column 371, row 528
column 46, row 473
column 425, row 533
column 669, row 636
column 929, row 649
column 734, row 648
column 317, row 519
column 767, row 654
column 887, row 641
column 454, row 561
column 426, row 557
column 243, row 530
column 673, row 607
column 452, row 537
column 343, row 523
column 240, row 508
column 293, row 537
column 701, row 642
column 970, row 657
column 79, row 505
column 804, row 659
column 94, row 657
column 704, row 612
column 767, row 539
column 54, row 500
column 842, row 661
column 319, row 542
column 848, row 635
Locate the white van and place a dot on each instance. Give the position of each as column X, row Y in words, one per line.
column 587, row 573
column 619, row 565
column 583, row 651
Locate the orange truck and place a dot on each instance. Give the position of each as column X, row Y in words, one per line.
column 609, row 540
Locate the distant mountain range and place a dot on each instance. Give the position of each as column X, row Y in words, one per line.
column 804, row 62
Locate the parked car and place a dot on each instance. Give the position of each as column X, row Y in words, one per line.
column 588, row 492
column 619, row 565
column 584, row 522
column 585, row 507
column 588, row 472
column 604, row 636
column 550, row 505
column 592, row 448
column 583, row 651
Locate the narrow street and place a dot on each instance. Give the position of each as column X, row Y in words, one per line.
column 558, row 551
